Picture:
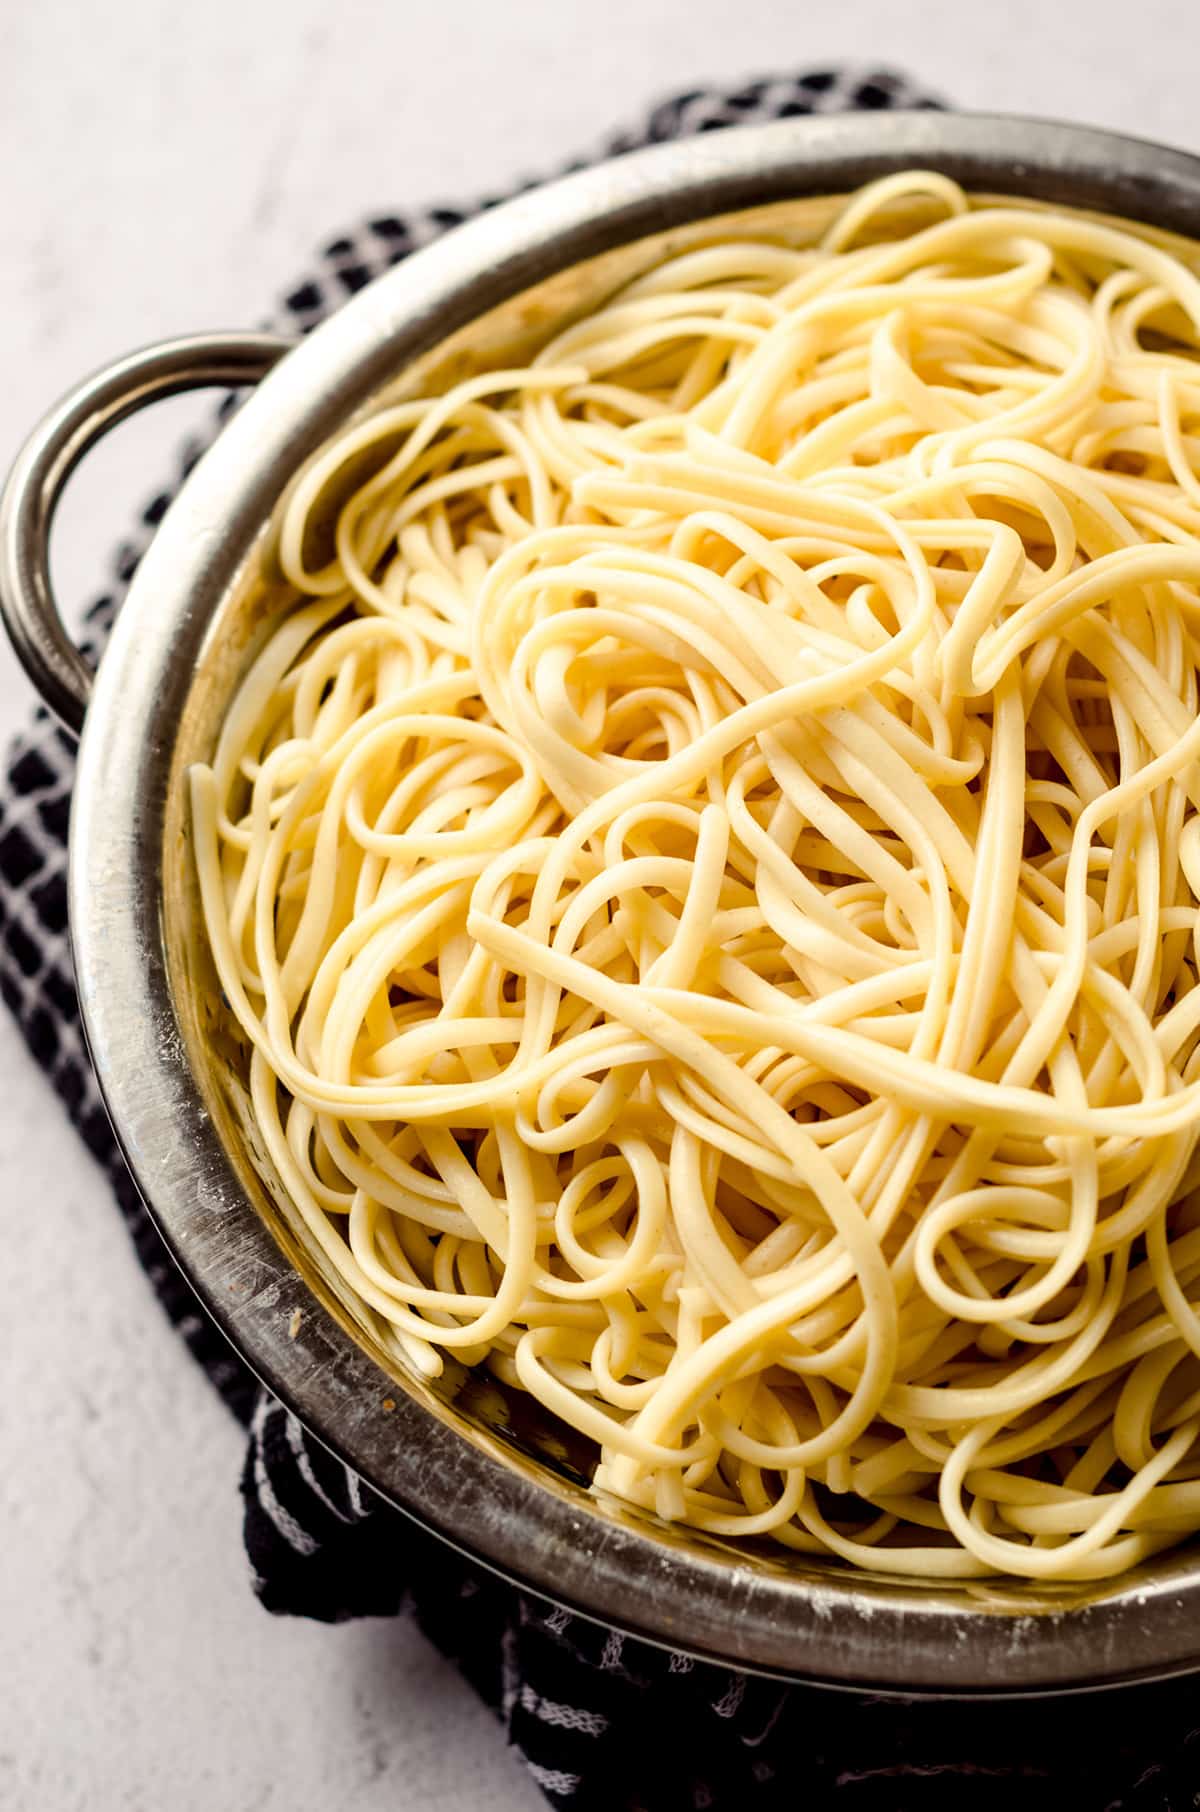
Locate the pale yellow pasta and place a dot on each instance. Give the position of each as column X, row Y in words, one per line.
column 708, row 873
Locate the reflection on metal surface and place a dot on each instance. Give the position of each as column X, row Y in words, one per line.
column 469, row 1459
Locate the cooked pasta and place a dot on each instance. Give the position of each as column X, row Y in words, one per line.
column 708, row 869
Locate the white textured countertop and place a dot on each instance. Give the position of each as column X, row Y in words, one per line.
column 169, row 168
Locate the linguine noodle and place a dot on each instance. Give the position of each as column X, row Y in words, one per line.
column 708, row 869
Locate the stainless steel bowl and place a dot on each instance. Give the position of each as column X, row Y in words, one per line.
column 464, row 1457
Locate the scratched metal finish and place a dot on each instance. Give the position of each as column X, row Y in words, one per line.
column 463, row 1456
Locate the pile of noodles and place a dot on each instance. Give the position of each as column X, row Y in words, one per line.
column 709, row 872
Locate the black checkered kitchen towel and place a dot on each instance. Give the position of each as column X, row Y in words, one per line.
column 605, row 1724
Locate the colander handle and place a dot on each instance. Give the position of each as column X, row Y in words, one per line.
column 50, row 455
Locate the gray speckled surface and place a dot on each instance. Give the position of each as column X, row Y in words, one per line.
column 168, row 168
